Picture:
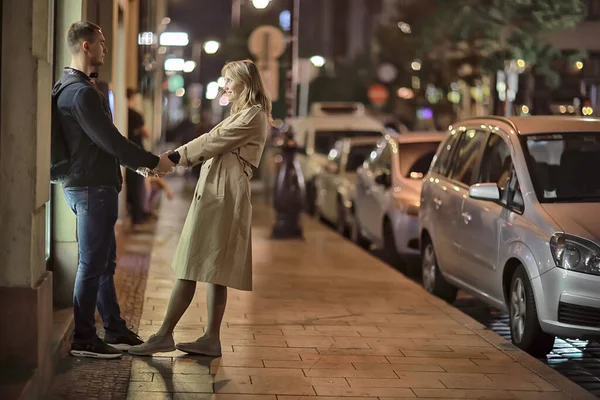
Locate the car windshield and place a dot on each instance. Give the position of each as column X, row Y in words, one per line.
column 564, row 167
column 415, row 158
column 325, row 140
column 358, row 154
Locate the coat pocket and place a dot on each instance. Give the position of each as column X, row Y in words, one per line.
column 221, row 181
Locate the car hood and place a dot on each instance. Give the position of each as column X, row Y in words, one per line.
column 580, row 219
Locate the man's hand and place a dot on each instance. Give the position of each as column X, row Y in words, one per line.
column 164, row 165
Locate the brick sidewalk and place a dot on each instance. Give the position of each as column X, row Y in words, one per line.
column 330, row 321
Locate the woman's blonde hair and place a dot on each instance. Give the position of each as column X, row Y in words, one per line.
column 254, row 93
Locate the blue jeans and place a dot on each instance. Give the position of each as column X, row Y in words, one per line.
column 96, row 209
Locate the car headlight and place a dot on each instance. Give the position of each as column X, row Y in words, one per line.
column 575, row 253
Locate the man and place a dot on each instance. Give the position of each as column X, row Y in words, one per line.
column 91, row 187
column 137, row 132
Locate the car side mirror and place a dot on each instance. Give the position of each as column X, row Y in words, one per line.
column 485, row 191
column 383, row 179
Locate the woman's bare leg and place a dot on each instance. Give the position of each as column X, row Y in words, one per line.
column 210, row 343
column 216, row 301
column 181, row 298
column 162, row 341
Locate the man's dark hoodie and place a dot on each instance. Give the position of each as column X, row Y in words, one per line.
column 96, row 147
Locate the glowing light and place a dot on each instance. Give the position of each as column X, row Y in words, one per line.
column 416, row 65
column 180, row 92
column 579, row 65
column 525, row 109
column 189, row 66
column 146, row 39
column 221, row 81
column 454, row 97
column 285, row 20
column 318, row 61
column 405, row 93
column 211, row 46
column 404, row 27
column 174, row 64
column 416, row 82
column 166, row 21
column 521, row 63
column 212, row 90
column 174, row 39
column 260, row 4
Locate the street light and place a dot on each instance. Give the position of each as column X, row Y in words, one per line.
column 317, row 61
column 211, row 46
column 174, row 64
column 189, row 66
column 260, row 4
column 174, row 39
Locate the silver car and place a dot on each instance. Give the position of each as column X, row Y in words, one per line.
column 510, row 212
column 388, row 194
column 336, row 182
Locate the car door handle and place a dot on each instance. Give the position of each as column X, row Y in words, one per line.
column 466, row 217
column 437, row 202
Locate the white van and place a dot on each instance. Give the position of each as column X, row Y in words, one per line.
column 317, row 133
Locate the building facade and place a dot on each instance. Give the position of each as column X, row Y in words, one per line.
column 38, row 239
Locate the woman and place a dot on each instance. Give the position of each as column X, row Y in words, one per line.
column 215, row 245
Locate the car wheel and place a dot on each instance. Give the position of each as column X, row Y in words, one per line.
column 311, row 197
column 341, row 222
column 356, row 236
column 318, row 214
column 525, row 329
column 389, row 246
column 433, row 280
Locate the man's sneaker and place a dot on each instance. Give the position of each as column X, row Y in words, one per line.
column 122, row 341
column 95, row 349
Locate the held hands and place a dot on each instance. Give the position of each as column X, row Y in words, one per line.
column 165, row 165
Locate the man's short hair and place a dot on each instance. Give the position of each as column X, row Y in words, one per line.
column 80, row 32
column 130, row 93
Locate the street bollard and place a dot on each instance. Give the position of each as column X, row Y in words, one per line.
column 289, row 193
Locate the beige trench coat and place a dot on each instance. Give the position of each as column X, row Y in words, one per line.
column 215, row 244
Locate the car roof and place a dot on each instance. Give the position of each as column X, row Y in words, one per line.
column 542, row 124
column 339, row 123
column 419, row 137
column 359, row 140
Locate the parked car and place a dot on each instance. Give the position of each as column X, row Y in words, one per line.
column 510, row 212
column 388, row 191
column 336, row 183
column 317, row 133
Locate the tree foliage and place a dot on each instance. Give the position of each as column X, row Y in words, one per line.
column 486, row 34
